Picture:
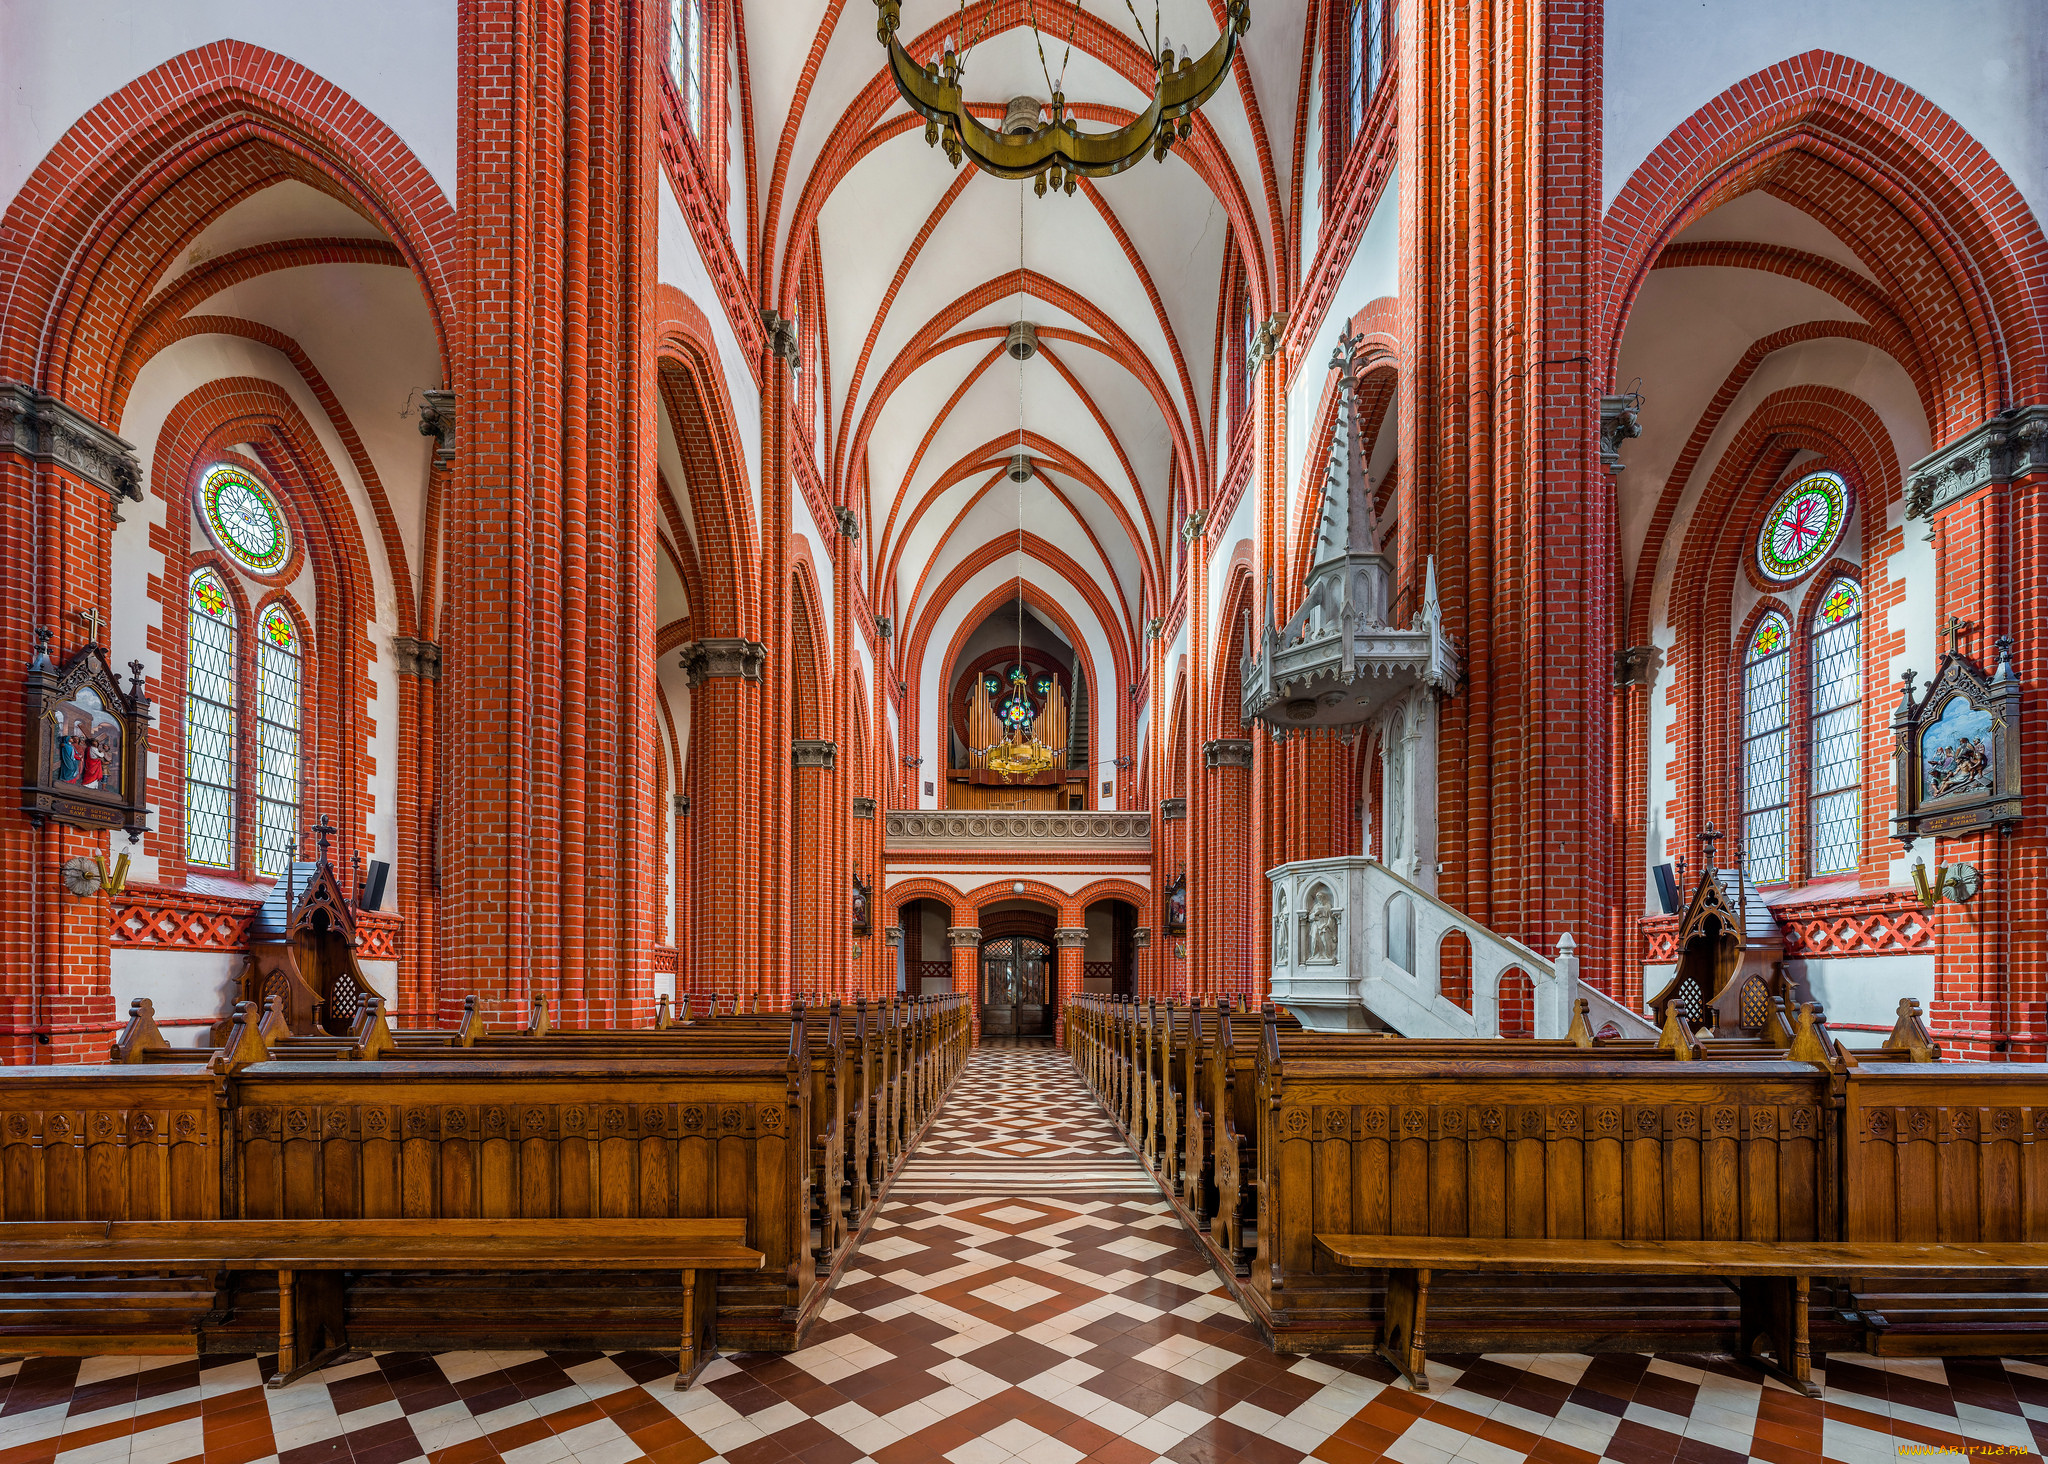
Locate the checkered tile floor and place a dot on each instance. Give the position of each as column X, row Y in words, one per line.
column 1031, row 1320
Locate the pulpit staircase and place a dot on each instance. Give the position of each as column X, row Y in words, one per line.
column 1357, row 947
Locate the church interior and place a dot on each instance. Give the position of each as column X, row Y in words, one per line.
column 873, row 731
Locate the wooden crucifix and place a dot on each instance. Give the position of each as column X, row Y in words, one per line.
column 1955, row 630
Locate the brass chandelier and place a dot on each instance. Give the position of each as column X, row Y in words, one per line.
column 1054, row 151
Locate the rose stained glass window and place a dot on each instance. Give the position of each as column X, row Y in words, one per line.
column 1836, row 795
column 1767, row 751
column 278, row 705
column 1802, row 527
column 210, row 725
column 244, row 519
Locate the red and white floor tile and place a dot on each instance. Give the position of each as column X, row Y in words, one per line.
column 1025, row 1294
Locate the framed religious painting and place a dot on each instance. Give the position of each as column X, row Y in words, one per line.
column 87, row 743
column 1177, row 905
column 1956, row 748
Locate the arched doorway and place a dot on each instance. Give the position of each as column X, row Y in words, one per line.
column 1015, row 975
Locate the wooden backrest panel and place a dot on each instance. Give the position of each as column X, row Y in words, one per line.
column 1609, row 1150
column 1946, row 1152
column 128, row 1142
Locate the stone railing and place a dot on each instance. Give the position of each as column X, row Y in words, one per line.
column 913, row 829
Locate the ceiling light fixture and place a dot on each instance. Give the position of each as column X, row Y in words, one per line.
column 1038, row 142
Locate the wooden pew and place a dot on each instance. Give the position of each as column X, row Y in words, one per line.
column 309, row 1259
column 1774, row 1280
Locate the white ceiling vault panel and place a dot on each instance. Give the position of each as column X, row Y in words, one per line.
column 920, row 271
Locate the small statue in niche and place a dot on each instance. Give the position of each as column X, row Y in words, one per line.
column 1279, row 927
column 1322, row 925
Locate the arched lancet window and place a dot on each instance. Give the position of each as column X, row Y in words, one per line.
column 210, row 725
column 1836, row 793
column 1359, row 85
column 278, row 713
column 686, row 59
column 1767, row 750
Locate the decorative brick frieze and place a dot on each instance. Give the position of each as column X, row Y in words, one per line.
column 2011, row 445
column 1080, row 834
column 721, row 658
column 38, row 426
column 167, row 918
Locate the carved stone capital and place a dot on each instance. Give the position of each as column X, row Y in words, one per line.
column 849, row 521
column 813, row 752
column 958, row 936
column 864, row 808
column 437, row 420
column 1141, row 937
column 1070, row 936
column 2010, row 445
column 723, row 658
column 1171, row 809
column 1228, row 752
column 885, row 626
column 1637, row 666
column 414, row 657
column 38, row 426
column 1620, row 420
column 680, row 802
column 892, row 934
column 782, row 342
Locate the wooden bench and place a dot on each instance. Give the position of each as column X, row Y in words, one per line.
column 1772, row 1278
column 311, row 1325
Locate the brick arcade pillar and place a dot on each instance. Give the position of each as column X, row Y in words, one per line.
column 819, row 897
column 1223, row 925
column 1144, row 962
column 550, row 564
column 725, row 709
column 1499, row 139
column 965, row 941
column 1980, row 495
column 1072, row 943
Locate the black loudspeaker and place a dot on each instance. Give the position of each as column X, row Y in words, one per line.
column 1667, row 889
column 373, row 886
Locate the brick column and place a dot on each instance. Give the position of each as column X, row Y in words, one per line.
column 1145, row 962
column 1499, row 137
column 1981, row 495
column 1223, row 922
column 56, row 996
column 725, row 706
column 820, row 893
column 965, row 941
column 550, row 564
column 1072, row 942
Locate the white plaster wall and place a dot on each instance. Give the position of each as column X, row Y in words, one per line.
column 171, row 375
column 190, row 989
column 1865, row 990
column 59, row 60
column 682, row 265
column 1374, row 271
column 1984, row 62
column 1880, row 382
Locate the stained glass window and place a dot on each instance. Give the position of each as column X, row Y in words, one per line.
column 686, row 59
column 1802, row 527
column 244, row 519
column 277, row 740
column 210, row 725
column 1836, row 796
column 1767, row 750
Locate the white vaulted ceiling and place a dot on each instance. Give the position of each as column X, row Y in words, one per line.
column 920, row 262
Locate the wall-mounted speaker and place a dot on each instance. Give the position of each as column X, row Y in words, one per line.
column 1667, row 889
column 374, row 880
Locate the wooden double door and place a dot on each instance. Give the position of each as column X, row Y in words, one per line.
column 1015, row 972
